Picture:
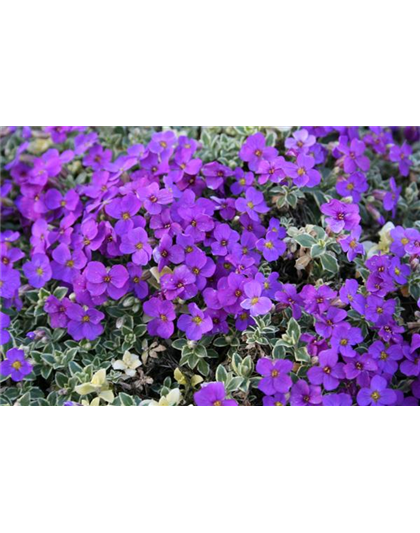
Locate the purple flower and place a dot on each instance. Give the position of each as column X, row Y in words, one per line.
column 349, row 295
column 340, row 215
column 201, row 266
column 135, row 242
column 301, row 141
column 275, row 372
column 360, row 365
column 38, row 270
column 304, row 394
column 67, row 264
column 351, row 245
column 4, row 323
column 57, row 311
column 271, row 247
column 15, row 365
column 354, row 157
column 166, row 252
column 123, row 209
column 164, row 315
column 413, row 246
column 401, row 155
column 162, row 143
column 9, row 281
column 337, row 400
column 257, row 304
column 181, row 283
column 344, row 337
column 398, row 271
column 386, row 356
column 353, row 185
column 243, row 181
column 154, row 198
column 196, row 324
column 140, row 288
column 289, row 297
column 215, row 174
column 252, row 204
column 274, row 401
column 326, row 323
column 55, row 200
column 213, row 394
column 400, row 240
column 84, row 324
column 100, row 280
column 225, row 238
column 378, row 310
column 377, row 393
column 303, row 173
column 329, row 372
column 391, row 198
column 273, row 170
column 9, row 255
column 254, row 150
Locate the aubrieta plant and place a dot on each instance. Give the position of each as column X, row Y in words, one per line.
column 229, row 266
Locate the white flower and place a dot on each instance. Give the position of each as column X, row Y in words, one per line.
column 128, row 364
column 99, row 385
column 172, row 398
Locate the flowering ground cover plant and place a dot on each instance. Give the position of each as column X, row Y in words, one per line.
column 210, row 266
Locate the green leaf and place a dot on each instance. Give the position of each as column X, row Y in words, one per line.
column 329, row 262
column 126, row 399
column 178, row 344
column 302, row 356
column 305, row 240
column 293, row 330
column 317, row 250
column 203, row 367
column 200, row 350
column 60, row 292
column 221, row 374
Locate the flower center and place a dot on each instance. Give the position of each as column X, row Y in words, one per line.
column 6, row 260
column 350, row 186
column 344, row 342
column 306, row 399
column 327, row 369
column 189, row 249
column 258, row 153
column 197, row 319
column 17, row 365
column 180, row 285
column 164, row 318
column 224, row 242
column 164, row 253
column 278, row 404
column 125, row 216
column 404, row 241
column 254, row 301
column 340, row 216
column 136, row 279
column 242, row 181
column 274, row 373
column 217, row 403
column 153, row 199
column 301, row 171
column 379, row 310
column 375, row 396
column 70, row 263
column 107, row 279
column 39, row 271
column 250, row 205
column 86, row 318
column 139, row 246
column 196, row 271
column 269, row 244
column 86, row 242
column 384, row 356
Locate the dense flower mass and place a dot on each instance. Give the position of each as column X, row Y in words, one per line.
column 206, row 266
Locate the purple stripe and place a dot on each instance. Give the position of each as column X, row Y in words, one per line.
column 230, row 467
column 298, row 465
column 269, row 468
column 205, row 469
column 68, row 468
